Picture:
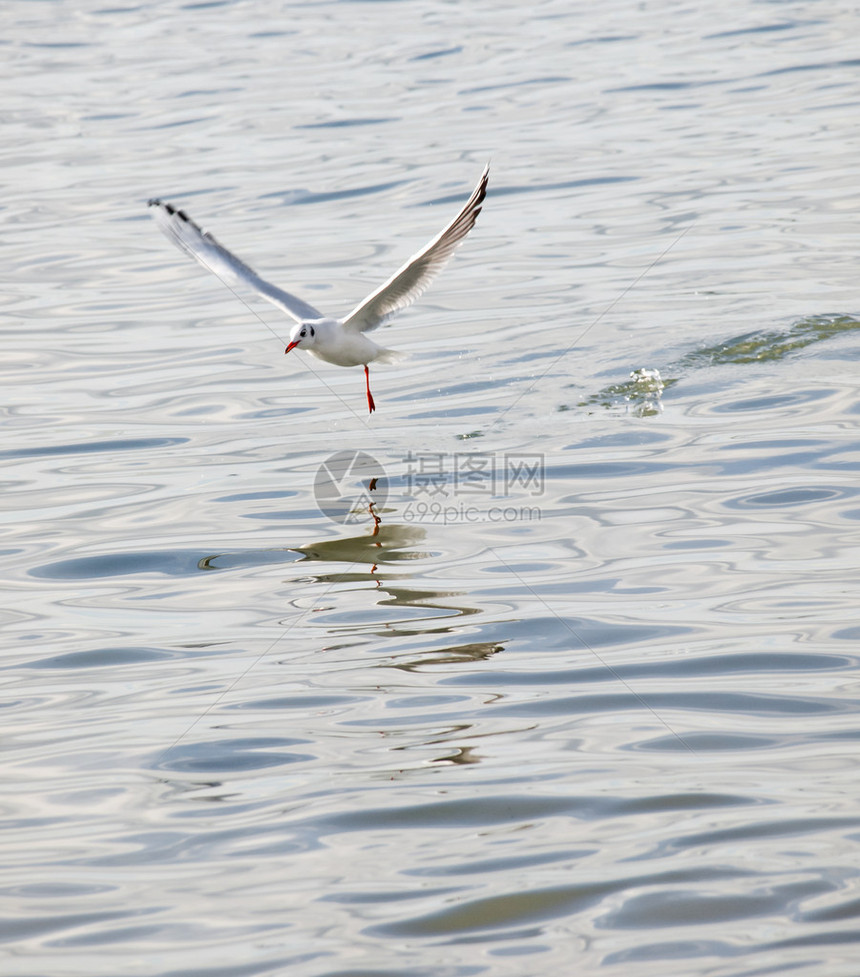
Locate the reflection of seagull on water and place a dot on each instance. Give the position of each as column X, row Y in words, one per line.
column 339, row 341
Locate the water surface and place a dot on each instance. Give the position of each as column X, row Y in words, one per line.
column 574, row 685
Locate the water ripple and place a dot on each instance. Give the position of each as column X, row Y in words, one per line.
column 615, row 732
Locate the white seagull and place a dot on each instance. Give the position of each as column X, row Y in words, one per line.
column 343, row 342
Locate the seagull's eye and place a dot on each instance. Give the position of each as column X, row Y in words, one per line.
column 303, row 334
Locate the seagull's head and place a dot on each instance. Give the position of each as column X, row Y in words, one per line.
column 302, row 335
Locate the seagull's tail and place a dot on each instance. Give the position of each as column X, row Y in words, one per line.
column 389, row 356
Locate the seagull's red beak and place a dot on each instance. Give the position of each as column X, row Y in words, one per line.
column 295, row 342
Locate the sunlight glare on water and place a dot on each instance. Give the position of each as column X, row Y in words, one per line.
column 560, row 676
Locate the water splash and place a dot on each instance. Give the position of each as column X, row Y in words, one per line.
column 641, row 394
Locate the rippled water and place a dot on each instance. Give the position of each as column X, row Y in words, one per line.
column 563, row 677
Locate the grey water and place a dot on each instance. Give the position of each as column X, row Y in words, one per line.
column 550, row 665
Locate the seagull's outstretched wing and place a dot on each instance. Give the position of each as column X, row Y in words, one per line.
column 185, row 234
column 408, row 282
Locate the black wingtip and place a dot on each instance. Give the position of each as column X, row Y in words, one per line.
column 480, row 192
column 485, row 181
column 169, row 209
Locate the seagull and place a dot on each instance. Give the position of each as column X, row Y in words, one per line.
column 343, row 342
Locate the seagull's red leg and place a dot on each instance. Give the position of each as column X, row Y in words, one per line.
column 370, row 403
